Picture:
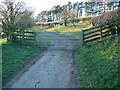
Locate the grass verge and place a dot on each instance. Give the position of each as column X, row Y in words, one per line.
column 98, row 64
column 14, row 58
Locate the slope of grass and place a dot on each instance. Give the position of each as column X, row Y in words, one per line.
column 3, row 41
column 98, row 64
column 70, row 30
column 14, row 57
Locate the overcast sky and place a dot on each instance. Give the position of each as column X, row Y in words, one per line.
column 40, row 5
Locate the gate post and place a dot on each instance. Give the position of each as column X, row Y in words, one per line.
column 100, row 32
column 35, row 41
column 82, row 37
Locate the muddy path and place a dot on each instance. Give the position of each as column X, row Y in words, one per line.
column 55, row 69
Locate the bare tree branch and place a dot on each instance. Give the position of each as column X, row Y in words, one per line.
column 9, row 11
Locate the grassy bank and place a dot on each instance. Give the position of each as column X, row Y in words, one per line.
column 14, row 57
column 98, row 64
column 70, row 30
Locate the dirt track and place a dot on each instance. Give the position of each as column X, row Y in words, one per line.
column 55, row 69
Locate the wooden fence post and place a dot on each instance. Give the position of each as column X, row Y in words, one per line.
column 82, row 37
column 22, row 36
column 14, row 37
column 101, row 33
column 118, row 28
column 35, row 42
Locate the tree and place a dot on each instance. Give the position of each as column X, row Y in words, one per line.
column 67, row 14
column 25, row 21
column 75, row 6
column 54, row 12
column 69, row 5
column 80, row 9
column 43, row 16
column 87, row 7
column 58, row 10
column 106, row 18
column 49, row 16
column 10, row 12
column 72, row 16
column 64, row 15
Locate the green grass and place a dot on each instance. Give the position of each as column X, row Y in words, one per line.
column 3, row 41
column 70, row 30
column 98, row 64
column 16, row 56
column 0, row 74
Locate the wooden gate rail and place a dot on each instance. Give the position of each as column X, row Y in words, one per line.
column 27, row 38
column 97, row 32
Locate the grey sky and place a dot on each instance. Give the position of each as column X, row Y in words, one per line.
column 40, row 5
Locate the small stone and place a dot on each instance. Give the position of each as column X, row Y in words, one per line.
column 72, row 72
